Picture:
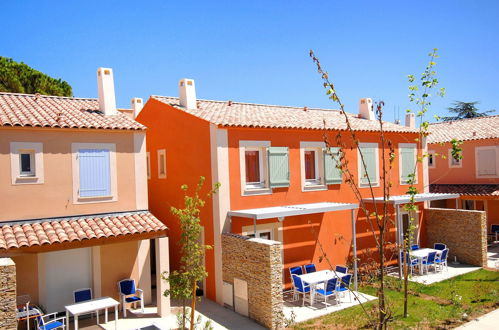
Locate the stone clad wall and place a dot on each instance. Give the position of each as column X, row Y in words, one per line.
column 463, row 231
column 7, row 294
column 258, row 262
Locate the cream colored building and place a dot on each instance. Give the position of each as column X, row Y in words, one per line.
column 73, row 198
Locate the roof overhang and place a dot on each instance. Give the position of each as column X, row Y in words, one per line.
column 404, row 199
column 291, row 210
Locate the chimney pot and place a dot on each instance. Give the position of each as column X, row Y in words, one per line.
column 137, row 105
column 410, row 120
column 187, row 93
column 105, row 84
column 366, row 109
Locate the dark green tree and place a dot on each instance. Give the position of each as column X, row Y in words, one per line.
column 20, row 78
column 464, row 110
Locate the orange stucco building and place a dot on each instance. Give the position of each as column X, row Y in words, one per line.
column 73, row 190
column 476, row 176
column 268, row 156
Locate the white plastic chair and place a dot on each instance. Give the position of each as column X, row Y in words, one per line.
column 130, row 294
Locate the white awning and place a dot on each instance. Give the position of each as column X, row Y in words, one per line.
column 290, row 210
column 404, row 199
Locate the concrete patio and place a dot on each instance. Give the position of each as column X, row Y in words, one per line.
column 221, row 318
column 442, row 275
column 294, row 309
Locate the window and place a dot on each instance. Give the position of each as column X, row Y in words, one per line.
column 487, row 162
column 453, row 162
column 162, row 164
column 265, row 234
column 371, row 169
column 148, row 159
column 26, row 162
column 254, row 165
column 431, row 159
column 407, row 162
column 311, row 167
column 94, row 172
column 319, row 166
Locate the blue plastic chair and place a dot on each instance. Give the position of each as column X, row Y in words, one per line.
column 130, row 294
column 414, row 247
column 494, row 232
column 300, row 288
column 343, row 286
column 442, row 259
column 411, row 262
column 341, row 269
column 439, row 246
column 82, row 295
column 329, row 289
column 50, row 321
column 429, row 261
column 310, row 268
column 296, row 270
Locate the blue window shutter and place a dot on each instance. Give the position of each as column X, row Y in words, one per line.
column 369, row 154
column 95, row 176
column 278, row 167
column 333, row 174
column 407, row 163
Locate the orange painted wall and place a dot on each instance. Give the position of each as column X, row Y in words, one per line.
column 492, row 213
column 186, row 140
column 443, row 174
column 300, row 233
column 27, row 275
column 55, row 196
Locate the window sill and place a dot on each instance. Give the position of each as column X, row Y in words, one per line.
column 96, row 199
column 314, row 187
column 373, row 185
column 257, row 191
column 28, row 180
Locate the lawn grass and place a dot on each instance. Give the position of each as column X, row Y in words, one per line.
column 439, row 305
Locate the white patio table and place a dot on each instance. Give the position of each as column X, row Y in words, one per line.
column 315, row 278
column 422, row 253
column 93, row 306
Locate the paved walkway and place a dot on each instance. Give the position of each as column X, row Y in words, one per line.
column 487, row 321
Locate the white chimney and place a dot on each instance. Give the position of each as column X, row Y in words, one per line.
column 137, row 105
column 410, row 120
column 107, row 99
column 187, row 93
column 366, row 109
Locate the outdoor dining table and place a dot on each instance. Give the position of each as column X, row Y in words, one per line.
column 315, row 278
column 93, row 306
column 421, row 254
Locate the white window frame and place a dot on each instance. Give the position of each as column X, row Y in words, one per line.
column 434, row 159
column 477, row 162
column 449, row 156
column 319, row 182
column 148, row 160
column 408, row 145
column 359, row 165
column 75, row 147
column 254, row 189
column 162, row 152
column 35, row 149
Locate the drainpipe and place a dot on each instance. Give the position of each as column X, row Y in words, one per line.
column 354, row 237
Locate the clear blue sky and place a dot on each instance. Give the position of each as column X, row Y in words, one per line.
column 257, row 51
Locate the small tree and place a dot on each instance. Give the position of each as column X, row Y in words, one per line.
column 183, row 282
column 464, row 110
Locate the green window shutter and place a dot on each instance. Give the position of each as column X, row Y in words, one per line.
column 407, row 163
column 332, row 174
column 369, row 154
column 278, row 167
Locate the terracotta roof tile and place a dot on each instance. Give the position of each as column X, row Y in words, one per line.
column 50, row 231
column 273, row 116
column 28, row 110
column 466, row 189
column 465, row 129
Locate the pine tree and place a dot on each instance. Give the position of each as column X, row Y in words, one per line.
column 20, row 78
column 465, row 110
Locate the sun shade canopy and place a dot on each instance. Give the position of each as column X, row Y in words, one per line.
column 404, row 199
column 290, row 210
